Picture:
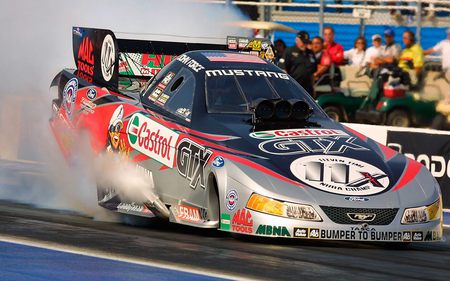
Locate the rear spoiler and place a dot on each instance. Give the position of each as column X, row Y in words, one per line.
column 101, row 58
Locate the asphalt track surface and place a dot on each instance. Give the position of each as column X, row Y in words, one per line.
column 217, row 252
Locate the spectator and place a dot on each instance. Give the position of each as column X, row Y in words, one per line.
column 300, row 62
column 322, row 57
column 335, row 50
column 412, row 55
column 443, row 48
column 373, row 53
column 280, row 48
column 391, row 51
column 355, row 56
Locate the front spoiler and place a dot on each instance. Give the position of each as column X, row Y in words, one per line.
column 272, row 226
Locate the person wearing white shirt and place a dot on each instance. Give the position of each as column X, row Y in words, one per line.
column 355, row 56
column 392, row 50
column 373, row 53
column 443, row 48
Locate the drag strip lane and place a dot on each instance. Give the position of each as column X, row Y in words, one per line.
column 219, row 253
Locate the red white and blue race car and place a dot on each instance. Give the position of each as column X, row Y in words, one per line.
column 232, row 142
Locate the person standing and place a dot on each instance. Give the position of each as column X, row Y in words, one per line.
column 391, row 51
column 323, row 59
column 300, row 62
column 443, row 48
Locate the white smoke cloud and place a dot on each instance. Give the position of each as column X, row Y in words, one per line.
column 36, row 43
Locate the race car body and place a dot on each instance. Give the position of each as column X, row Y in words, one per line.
column 232, row 142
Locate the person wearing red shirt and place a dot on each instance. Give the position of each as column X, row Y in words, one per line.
column 335, row 50
column 336, row 53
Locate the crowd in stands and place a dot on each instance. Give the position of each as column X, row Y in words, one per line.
column 309, row 61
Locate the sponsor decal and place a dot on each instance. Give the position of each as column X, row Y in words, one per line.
column 232, row 43
column 108, row 57
column 190, row 214
column 152, row 139
column 77, row 31
column 435, row 155
column 218, row 162
column 242, row 42
column 85, row 62
column 192, row 159
column 231, row 199
column 297, row 133
column 225, row 221
column 270, row 230
column 155, row 94
column 357, row 199
column 406, row 236
column 361, row 235
column 91, row 93
column 70, row 95
column 87, row 105
column 191, row 63
column 417, row 236
column 340, row 175
column 168, row 78
column 243, row 72
column 133, row 208
column 232, row 57
column 163, row 98
column 361, row 217
column 314, row 233
column 242, row 221
column 301, row 232
column 115, row 143
column 184, row 112
column 323, row 145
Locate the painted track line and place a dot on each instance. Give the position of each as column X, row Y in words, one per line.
column 117, row 257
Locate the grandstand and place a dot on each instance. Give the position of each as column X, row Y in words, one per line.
column 429, row 25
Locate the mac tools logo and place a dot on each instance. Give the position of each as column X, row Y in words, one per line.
column 340, row 175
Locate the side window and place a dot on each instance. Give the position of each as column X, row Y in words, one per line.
column 181, row 95
column 174, row 92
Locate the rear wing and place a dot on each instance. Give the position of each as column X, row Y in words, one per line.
column 101, row 58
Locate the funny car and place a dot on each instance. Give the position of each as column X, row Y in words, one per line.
column 232, row 142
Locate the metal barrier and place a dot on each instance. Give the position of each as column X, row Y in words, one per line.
column 407, row 13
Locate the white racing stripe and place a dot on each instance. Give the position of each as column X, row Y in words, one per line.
column 116, row 257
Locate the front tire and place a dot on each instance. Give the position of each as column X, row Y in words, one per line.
column 398, row 118
column 334, row 112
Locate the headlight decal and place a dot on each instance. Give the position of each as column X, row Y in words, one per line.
column 282, row 209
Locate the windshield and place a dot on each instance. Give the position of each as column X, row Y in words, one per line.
column 232, row 91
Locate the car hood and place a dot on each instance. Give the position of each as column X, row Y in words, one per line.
column 331, row 157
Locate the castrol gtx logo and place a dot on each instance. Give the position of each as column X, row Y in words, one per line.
column 192, row 159
column 265, row 135
column 305, row 145
column 340, row 175
column 152, row 139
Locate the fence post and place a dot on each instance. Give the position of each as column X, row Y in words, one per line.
column 321, row 16
column 419, row 22
column 362, row 24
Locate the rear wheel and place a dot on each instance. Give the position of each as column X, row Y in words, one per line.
column 398, row 118
column 334, row 112
column 439, row 122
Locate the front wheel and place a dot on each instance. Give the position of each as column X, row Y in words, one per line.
column 398, row 118
column 334, row 112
